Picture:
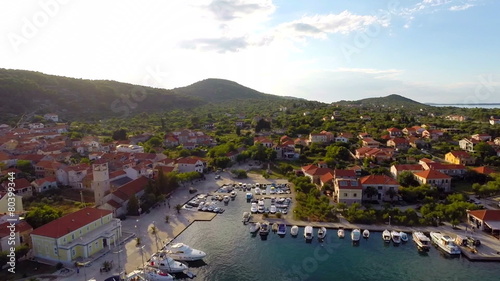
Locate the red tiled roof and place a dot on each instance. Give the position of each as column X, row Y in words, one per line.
column 348, row 184
column 114, row 204
column 486, row 215
column 344, row 173
column 326, row 177
column 117, row 174
column 70, row 222
column 460, row 154
column 309, row 167
column 43, row 180
column 126, row 191
column 378, row 179
column 320, row 171
column 393, row 129
column 409, row 167
column 432, row 174
column 21, row 226
column 484, row 170
column 189, row 160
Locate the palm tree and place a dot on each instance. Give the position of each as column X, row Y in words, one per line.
column 153, row 229
column 178, row 207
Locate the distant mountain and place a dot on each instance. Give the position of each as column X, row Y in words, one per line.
column 220, row 90
column 388, row 101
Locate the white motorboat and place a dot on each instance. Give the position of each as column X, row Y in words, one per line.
column 226, row 199
column 355, row 235
column 366, row 233
column 165, row 263
column 322, row 233
column 294, row 231
column 273, row 209
column 254, row 208
column 232, row 194
column 183, row 252
column 261, row 209
column 254, row 227
column 423, row 242
column 445, row 243
column 308, row 232
column 386, row 236
column 404, row 236
column 341, row 233
column 396, row 237
column 257, row 191
column 151, row 275
column 264, row 229
column 281, row 229
column 246, row 217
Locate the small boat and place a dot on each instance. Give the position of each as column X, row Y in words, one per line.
column 165, row 263
column 232, row 194
column 294, row 231
column 264, row 229
column 386, row 235
column 254, row 227
column 423, row 242
column 396, row 237
column 322, row 233
column 257, row 191
column 151, row 274
column 355, row 235
column 308, row 232
column 226, row 199
column 341, row 233
column 281, row 229
column 246, row 216
column 254, row 208
column 272, row 210
column 201, row 205
column 366, row 233
column 445, row 243
column 275, row 227
column 182, row 252
column 261, row 209
column 249, row 196
column 404, row 236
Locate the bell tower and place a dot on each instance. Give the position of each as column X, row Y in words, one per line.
column 100, row 182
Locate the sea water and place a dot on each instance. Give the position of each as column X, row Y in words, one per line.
column 233, row 254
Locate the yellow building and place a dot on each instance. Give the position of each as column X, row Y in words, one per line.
column 459, row 157
column 77, row 235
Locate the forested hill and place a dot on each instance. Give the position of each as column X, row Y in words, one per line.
column 28, row 92
column 219, row 90
column 388, row 101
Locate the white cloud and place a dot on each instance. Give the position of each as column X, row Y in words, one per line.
column 227, row 10
column 461, row 7
column 375, row 73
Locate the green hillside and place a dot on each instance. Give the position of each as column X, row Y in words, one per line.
column 393, row 101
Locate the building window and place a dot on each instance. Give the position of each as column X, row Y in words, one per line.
column 73, row 252
column 73, row 236
column 355, row 194
column 345, row 194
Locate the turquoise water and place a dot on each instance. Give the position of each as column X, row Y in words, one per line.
column 234, row 254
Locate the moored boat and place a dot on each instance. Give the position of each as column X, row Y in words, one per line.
column 423, row 242
column 308, row 232
column 246, row 217
column 281, row 229
column 366, row 233
column 445, row 243
column 151, row 275
column 355, row 235
column 249, row 196
column 232, row 194
column 386, row 236
column 226, row 199
column 396, row 237
column 254, row 227
column 182, row 252
column 322, row 232
column 275, row 227
column 264, row 229
column 340, row 232
column 404, row 236
column 294, row 231
column 165, row 263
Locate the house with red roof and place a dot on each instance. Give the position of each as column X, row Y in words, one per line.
column 384, row 185
column 369, row 142
column 22, row 187
column 265, row 141
column 481, row 137
column 314, row 172
column 22, row 231
column 395, row 132
column 468, row 144
column 397, row 169
column 459, row 157
column 485, row 220
column 484, row 170
column 190, row 164
column 44, row 184
column 435, row 179
column 398, row 143
column 347, row 191
column 78, row 235
column 117, row 200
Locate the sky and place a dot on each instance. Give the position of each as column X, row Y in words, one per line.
column 432, row 51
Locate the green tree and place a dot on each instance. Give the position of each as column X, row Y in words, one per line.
column 25, row 166
column 371, row 191
column 38, row 216
column 120, row 134
column 133, row 206
column 406, row 179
